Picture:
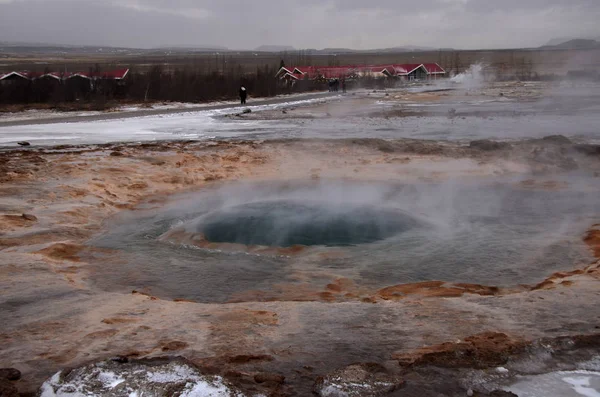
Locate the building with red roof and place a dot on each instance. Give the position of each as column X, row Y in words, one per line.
column 118, row 74
column 434, row 69
column 416, row 71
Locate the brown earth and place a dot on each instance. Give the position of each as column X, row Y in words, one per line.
column 483, row 350
column 53, row 317
column 592, row 239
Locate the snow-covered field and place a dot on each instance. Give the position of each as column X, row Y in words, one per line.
column 173, row 126
column 35, row 114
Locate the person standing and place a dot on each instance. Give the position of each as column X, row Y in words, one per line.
column 243, row 95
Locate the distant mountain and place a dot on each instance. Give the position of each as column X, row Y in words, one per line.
column 574, row 44
column 561, row 40
column 274, row 48
column 557, row 41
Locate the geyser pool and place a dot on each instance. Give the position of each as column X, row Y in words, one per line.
column 492, row 231
column 285, row 223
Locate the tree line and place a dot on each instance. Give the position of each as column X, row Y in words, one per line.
column 185, row 84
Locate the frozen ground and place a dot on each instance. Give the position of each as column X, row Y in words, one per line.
column 559, row 384
column 168, row 126
column 498, row 111
column 41, row 115
column 136, row 380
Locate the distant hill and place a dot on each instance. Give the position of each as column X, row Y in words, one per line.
column 557, row 41
column 57, row 49
column 572, row 44
column 274, row 48
column 63, row 49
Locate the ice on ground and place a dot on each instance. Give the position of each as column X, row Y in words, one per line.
column 174, row 126
column 110, row 379
column 176, row 378
column 174, row 374
column 579, row 383
column 39, row 114
column 582, row 386
column 35, row 114
column 357, row 380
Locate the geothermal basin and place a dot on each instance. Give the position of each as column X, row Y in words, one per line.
column 237, row 239
column 402, row 243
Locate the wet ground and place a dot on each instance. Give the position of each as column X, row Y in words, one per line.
column 502, row 111
column 494, row 232
column 431, row 259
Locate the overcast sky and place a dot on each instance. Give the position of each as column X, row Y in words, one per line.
column 246, row 24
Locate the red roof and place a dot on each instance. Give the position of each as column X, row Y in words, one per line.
column 332, row 72
column 117, row 74
column 378, row 69
column 390, row 68
column 434, row 68
column 335, row 72
column 303, row 69
column 406, row 68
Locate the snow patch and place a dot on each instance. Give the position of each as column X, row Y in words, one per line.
column 110, row 379
column 175, row 374
column 136, row 380
column 206, row 389
column 199, row 124
column 579, row 383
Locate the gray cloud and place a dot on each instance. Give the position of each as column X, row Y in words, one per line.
column 242, row 24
